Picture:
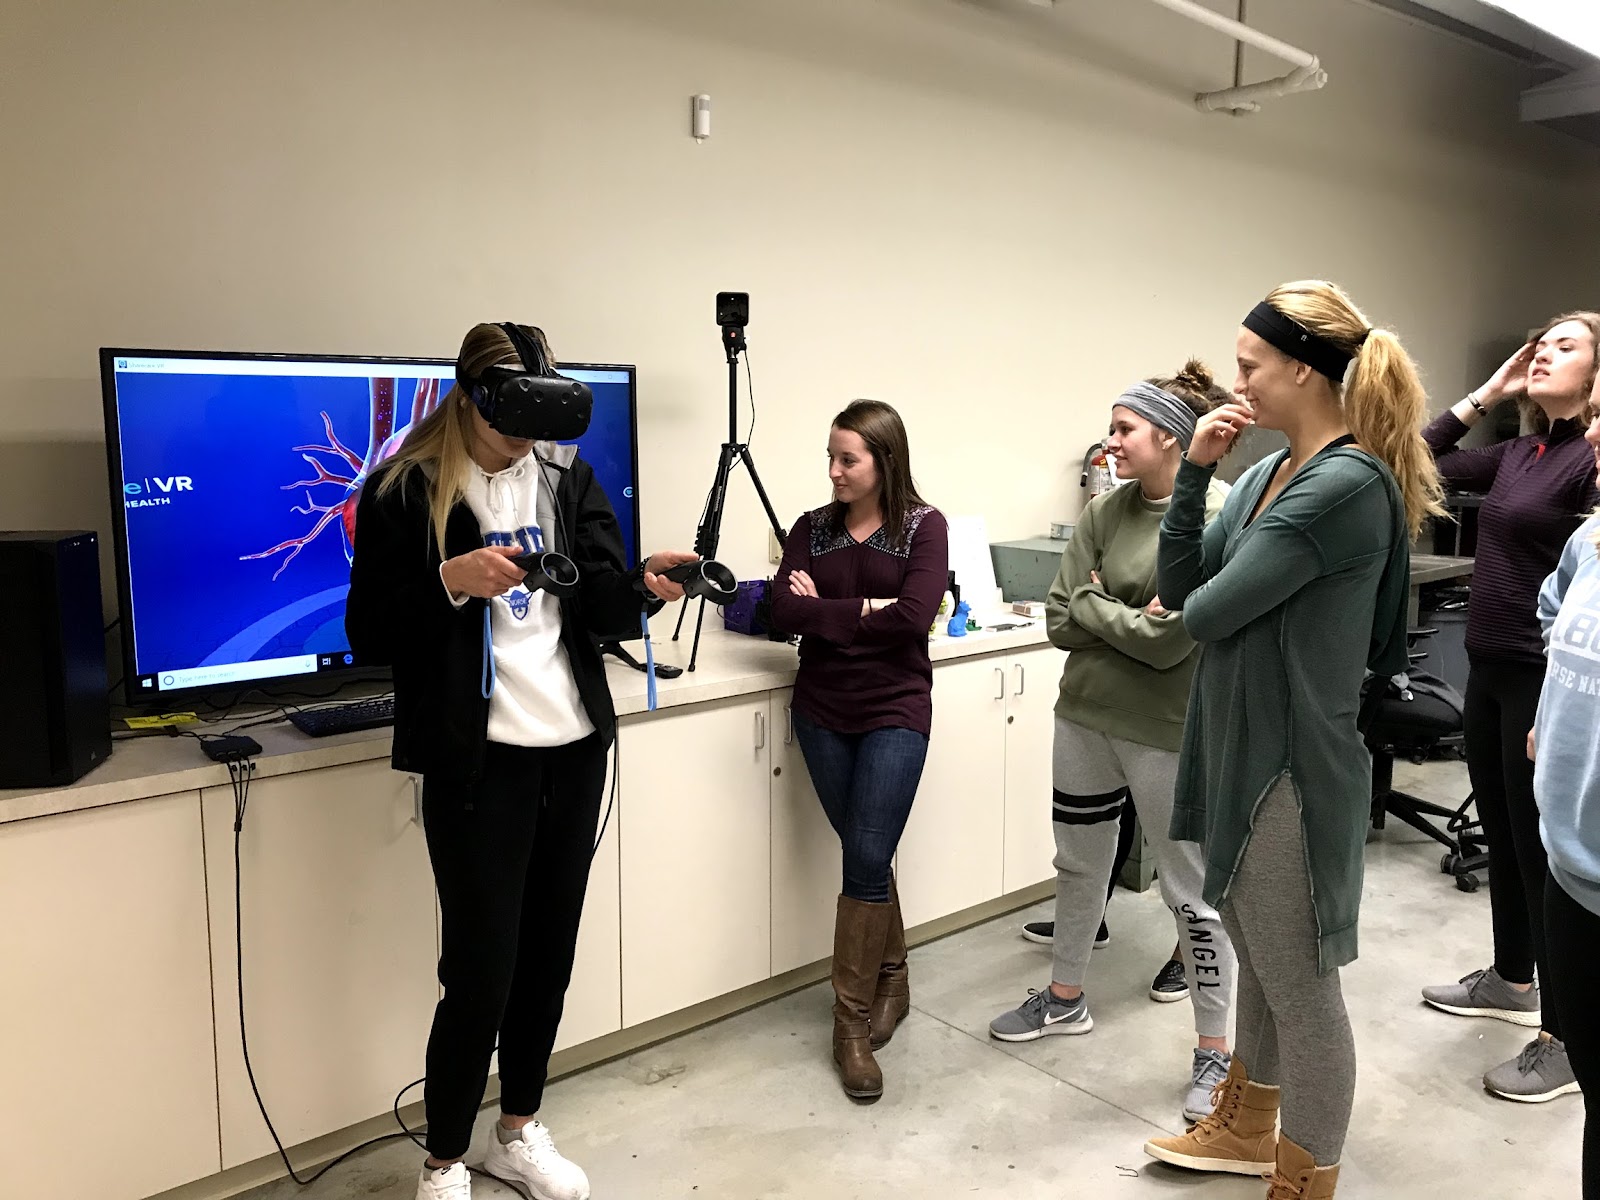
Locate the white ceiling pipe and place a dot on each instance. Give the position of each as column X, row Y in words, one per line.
column 1307, row 76
column 1243, row 99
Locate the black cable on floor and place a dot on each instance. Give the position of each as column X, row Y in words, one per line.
column 241, row 773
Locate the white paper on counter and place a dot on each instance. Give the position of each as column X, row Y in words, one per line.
column 971, row 561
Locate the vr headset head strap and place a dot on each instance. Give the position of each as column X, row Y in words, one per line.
column 529, row 349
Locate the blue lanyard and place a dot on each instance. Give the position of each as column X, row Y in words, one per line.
column 649, row 663
column 487, row 687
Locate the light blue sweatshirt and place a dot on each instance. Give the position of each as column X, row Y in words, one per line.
column 1566, row 776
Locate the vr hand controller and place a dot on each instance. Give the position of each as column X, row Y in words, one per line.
column 705, row 579
column 550, row 572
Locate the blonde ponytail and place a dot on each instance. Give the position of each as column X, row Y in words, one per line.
column 1384, row 402
column 1385, row 406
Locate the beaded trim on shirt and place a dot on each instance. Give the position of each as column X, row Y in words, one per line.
column 827, row 537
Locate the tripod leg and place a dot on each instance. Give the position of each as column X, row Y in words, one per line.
column 755, row 478
column 709, row 534
column 694, row 654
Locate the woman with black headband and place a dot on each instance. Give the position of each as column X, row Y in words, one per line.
column 1539, row 489
column 1119, row 723
column 1295, row 591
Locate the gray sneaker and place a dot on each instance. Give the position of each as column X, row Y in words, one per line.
column 1210, row 1069
column 1042, row 1014
column 1541, row 1072
column 1485, row 994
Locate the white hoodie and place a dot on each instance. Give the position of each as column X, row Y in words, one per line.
column 535, row 700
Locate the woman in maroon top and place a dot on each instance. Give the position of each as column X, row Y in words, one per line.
column 861, row 582
column 1540, row 488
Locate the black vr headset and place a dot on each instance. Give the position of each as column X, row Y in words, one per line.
column 533, row 403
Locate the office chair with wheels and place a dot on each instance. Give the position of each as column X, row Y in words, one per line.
column 1416, row 714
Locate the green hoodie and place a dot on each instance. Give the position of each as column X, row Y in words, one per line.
column 1128, row 673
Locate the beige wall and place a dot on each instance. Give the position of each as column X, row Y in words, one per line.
column 992, row 217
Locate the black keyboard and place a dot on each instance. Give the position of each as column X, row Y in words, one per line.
column 344, row 718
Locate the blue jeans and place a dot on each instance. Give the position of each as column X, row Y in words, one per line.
column 866, row 782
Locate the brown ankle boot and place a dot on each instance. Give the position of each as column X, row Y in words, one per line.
column 859, row 931
column 1239, row 1136
column 892, row 1001
column 1298, row 1177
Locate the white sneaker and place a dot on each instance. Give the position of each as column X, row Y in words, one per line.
column 534, row 1160
column 447, row 1183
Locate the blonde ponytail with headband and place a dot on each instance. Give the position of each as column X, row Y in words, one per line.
column 1384, row 401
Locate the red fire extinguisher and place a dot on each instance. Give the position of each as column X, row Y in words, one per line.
column 1097, row 476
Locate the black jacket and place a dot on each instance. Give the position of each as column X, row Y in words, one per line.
column 398, row 613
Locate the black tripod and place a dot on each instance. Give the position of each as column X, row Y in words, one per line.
column 733, row 453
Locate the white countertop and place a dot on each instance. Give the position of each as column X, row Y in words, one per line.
column 730, row 665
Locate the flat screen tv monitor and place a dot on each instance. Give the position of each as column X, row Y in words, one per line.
column 234, row 478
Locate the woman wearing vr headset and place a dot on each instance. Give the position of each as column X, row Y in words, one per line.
column 501, row 705
column 1294, row 592
column 1119, row 725
column 861, row 581
column 1539, row 488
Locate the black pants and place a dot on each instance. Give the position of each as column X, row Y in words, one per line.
column 1570, row 989
column 510, row 858
column 1502, row 698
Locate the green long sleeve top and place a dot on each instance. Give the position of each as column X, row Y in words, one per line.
column 1128, row 673
column 1293, row 607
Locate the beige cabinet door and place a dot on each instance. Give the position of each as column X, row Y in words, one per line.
column 805, row 853
column 696, row 842
column 340, row 950
column 108, row 994
column 1031, row 681
column 952, row 854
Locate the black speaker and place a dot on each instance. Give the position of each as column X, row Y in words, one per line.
column 55, row 707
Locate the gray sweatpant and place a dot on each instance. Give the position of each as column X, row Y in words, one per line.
column 1293, row 1030
column 1092, row 774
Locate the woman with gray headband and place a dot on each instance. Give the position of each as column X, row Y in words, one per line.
column 1119, row 725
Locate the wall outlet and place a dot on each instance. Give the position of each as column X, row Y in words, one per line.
column 774, row 548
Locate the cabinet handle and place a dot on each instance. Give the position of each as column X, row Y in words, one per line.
column 761, row 730
column 788, row 733
column 1022, row 679
column 416, row 799
column 1000, row 683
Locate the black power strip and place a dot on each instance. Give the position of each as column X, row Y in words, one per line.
column 230, row 748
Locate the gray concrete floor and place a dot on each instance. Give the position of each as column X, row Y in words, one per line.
column 750, row 1107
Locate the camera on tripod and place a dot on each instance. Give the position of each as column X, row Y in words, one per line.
column 713, row 581
column 733, row 308
column 733, row 314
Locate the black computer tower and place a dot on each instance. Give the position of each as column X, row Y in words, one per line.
column 55, row 707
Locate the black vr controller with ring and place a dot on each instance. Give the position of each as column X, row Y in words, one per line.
column 548, row 571
column 705, row 578
column 702, row 577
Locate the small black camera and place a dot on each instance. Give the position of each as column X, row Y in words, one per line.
column 733, row 309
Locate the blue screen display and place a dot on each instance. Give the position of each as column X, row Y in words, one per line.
column 239, row 480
